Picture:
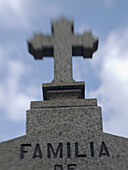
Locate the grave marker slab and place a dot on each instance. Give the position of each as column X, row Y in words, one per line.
column 64, row 132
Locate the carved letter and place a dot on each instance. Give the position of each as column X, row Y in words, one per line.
column 103, row 150
column 68, row 150
column 37, row 152
column 58, row 167
column 92, row 149
column 77, row 151
column 71, row 166
column 22, row 150
column 59, row 148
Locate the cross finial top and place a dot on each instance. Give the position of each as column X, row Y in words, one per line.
column 62, row 45
column 62, row 25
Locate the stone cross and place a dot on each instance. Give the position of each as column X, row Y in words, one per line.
column 62, row 45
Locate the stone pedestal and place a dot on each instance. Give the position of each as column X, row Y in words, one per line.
column 64, row 132
column 64, row 135
column 73, row 90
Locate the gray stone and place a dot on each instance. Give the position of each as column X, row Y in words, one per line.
column 62, row 45
column 74, row 90
column 64, row 132
column 75, row 129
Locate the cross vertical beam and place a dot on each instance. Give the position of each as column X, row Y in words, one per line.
column 62, row 45
column 62, row 51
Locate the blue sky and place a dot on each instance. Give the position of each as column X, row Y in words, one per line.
column 105, row 76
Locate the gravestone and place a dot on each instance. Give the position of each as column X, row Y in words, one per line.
column 64, row 132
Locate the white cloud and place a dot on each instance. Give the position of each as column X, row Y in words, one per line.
column 21, row 13
column 112, row 66
column 13, row 101
column 12, row 13
column 11, row 5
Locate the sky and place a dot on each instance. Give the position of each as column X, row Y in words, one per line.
column 105, row 76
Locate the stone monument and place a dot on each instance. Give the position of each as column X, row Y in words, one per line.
column 64, row 132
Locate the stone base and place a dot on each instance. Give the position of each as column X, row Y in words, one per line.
column 65, row 117
column 38, row 153
column 65, row 135
column 70, row 91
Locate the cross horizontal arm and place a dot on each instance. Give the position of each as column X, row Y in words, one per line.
column 84, row 45
column 62, row 45
column 41, row 46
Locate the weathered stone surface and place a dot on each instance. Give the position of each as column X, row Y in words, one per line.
column 63, row 103
column 83, row 117
column 65, row 131
column 62, row 45
column 52, row 91
column 76, row 130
